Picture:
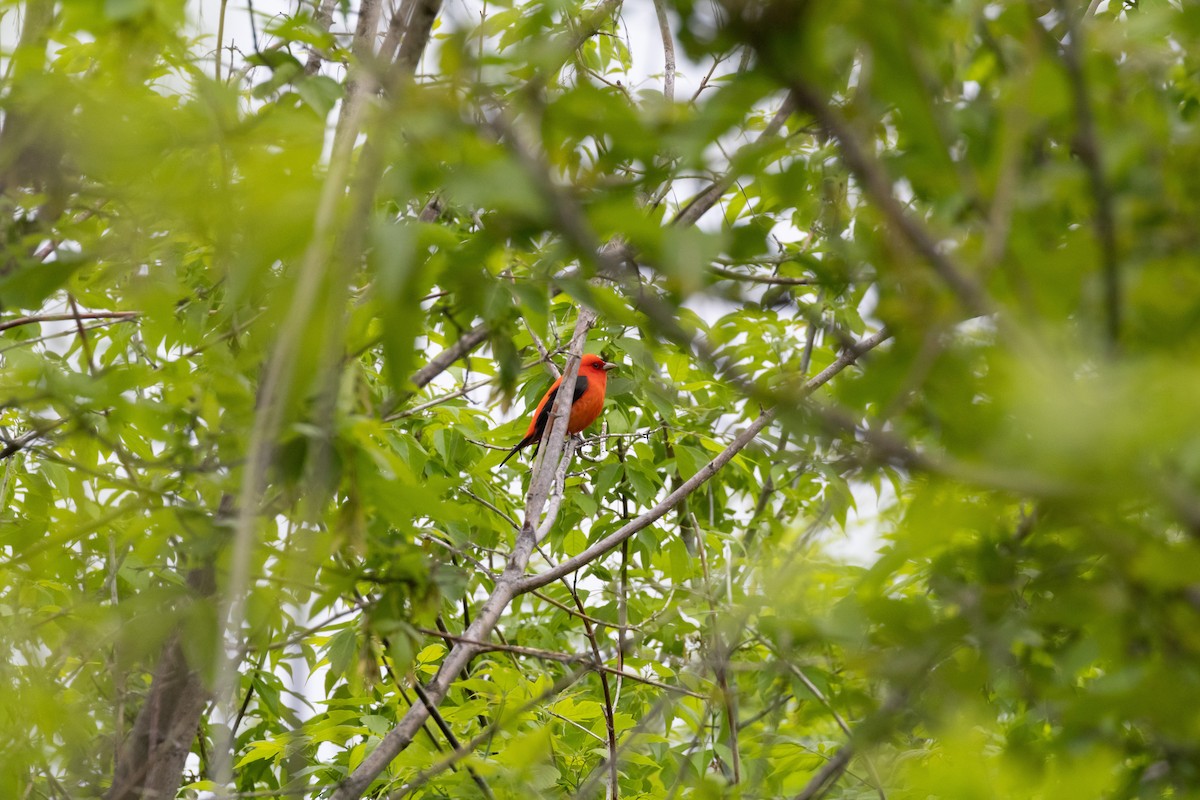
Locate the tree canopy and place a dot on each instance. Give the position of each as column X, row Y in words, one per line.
column 896, row 493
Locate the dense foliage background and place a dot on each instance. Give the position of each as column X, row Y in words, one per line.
column 270, row 316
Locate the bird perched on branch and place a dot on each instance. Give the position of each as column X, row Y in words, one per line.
column 586, row 403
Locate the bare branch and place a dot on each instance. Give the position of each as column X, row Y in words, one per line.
column 664, row 28
column 554, row 441
column 33, row 320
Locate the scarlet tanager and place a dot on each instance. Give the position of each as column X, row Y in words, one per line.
column 586, row 404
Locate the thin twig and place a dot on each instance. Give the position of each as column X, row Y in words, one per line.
column 773, row 280
column 829, row 773
column 113, row 315
column 512, row 522
column 1087, row 145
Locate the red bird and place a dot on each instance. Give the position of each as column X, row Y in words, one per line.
column 585, row 405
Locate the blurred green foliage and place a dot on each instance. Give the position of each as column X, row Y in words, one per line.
column 973, row 557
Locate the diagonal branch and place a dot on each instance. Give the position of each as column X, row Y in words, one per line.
column 829, row 773
column 701, row 203
column 877, row 186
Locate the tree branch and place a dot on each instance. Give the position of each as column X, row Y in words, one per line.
column 829, row 773
column 664, row 29
column 701, row 203
column 877, row 186
column 32, row 320
column 772, row 280
column 1087, row 145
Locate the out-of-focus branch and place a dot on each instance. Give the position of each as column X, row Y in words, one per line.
column 829, row 773
column 33, row 320
column 1087, row 145
column 416, row 39
column 151, row 760
column 701, row 203
column 771, row 280
column 872, row 177
column 323, row 20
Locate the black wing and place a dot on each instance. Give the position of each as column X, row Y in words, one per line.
column 581, row 385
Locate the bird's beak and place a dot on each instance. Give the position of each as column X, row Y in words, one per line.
column 608, row 365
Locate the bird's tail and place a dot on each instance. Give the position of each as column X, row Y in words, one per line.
column 513, row 452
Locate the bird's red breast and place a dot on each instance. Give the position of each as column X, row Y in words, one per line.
column 584, row 410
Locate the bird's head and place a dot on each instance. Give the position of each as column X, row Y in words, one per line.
column 595, row 366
